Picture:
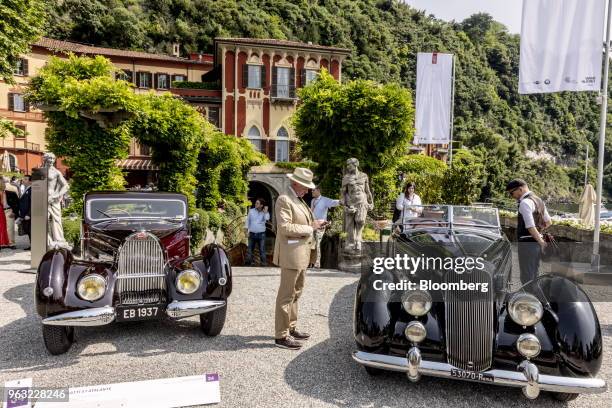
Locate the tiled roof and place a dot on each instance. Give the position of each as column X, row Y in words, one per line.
column 69, row 46
column 270, row 42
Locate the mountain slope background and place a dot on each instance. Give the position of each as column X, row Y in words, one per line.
column 491, row 118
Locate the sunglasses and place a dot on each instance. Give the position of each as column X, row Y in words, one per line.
column 512, row 191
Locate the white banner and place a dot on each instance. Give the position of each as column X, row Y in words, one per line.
column 561, row 45
column 433, row 98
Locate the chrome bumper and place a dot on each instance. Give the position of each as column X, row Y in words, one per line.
column 100, row 316
column 97, row 316
column 527, row 376
column 186, row 308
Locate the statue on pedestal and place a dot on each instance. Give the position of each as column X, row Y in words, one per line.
column 356, row 198
column 57, row 187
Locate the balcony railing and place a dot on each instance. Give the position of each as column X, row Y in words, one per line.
column 19, row 144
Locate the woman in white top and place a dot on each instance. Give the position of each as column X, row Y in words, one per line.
column 409, row 203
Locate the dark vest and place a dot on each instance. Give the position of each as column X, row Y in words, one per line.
column 538, row 214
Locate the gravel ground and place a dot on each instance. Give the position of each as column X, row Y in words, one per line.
column 253, row 372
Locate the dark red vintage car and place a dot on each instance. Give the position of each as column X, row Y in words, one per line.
column 135, row 264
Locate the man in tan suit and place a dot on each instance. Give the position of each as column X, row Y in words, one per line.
column 293, row 251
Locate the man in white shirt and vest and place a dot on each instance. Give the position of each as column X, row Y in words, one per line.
column 532, row 219
column 319, row 207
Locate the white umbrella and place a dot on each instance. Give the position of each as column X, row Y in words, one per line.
column 5, row 163
column 586, row 211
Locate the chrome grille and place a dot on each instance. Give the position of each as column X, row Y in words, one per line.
column 469, row 323
column 140, row 270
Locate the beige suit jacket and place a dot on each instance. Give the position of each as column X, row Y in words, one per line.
column 294, row 234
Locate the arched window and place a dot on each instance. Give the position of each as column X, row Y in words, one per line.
column 282, row 145
column 255, row 137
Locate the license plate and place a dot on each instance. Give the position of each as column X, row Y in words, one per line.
column 471, row 375
column 142, row 312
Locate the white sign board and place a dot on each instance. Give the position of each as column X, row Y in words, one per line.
column 17, row 387
column 433, row 98
column 161, row 393
column 561, row 46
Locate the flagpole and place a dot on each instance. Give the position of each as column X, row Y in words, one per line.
column 602, row 139
column 452, row 112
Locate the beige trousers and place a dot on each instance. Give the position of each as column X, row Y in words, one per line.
column 289, row 291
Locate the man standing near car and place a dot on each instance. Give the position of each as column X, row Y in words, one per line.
column 256, row 228
column 25, row 206
column 293, row 251
column 532, row 219
column 319, row 207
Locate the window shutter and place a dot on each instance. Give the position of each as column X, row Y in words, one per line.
column 25, row 67
column 274, row 81
column 292, row 152
column 262, row 71
column 156, row 80
column 245, row 76
column 150, row 75
column 271, row 150
column 26, row 105
column 129, row 76
column 11, row 102
column 292, row 82
column 302, row 77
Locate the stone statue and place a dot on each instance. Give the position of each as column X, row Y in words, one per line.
column 356, row 198
column 57, row 187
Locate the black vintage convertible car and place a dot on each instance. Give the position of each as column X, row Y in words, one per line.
column 134, row 265
column 436, row 319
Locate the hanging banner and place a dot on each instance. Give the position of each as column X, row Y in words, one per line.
column 433, row 98
column 561, row 45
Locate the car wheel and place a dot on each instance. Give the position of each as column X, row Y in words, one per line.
column 564, row 396
column 212, row 322
column 58, row 339
column 373, row 371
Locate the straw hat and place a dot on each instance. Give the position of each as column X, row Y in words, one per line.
column 302, row 176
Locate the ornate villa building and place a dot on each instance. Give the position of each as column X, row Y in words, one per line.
column 247, row 88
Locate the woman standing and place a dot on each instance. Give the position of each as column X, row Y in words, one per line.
column 4, row 238
column 408, row 203
column 11, row 208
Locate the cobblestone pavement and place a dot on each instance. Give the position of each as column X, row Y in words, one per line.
column 253, row 372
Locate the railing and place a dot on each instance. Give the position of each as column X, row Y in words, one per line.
column 19, row 144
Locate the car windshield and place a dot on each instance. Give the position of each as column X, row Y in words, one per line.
column 422, row 216
column 99, row 209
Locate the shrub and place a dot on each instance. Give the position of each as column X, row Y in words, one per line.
column 463, row 179
column 198, row 229
column 72, row 230
column 428, row 174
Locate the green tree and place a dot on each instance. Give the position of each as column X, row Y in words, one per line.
column 359, row 119
column 21, row 23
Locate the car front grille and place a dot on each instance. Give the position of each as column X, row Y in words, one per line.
column 141, row 274
column 469, row 323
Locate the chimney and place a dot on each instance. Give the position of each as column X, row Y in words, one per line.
column 176, row 50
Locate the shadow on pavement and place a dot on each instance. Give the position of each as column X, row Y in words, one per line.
column 24, row 350
column 328, row 373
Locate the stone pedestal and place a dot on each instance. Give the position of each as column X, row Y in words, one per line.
column 349, row 260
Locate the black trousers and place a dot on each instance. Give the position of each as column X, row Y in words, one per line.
column 529, row 255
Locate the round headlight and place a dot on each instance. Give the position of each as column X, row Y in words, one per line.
column 91, row 287
column 415, row 332
column 528, row 345
column 525, row 309
column 417, row 303
column 188, row 281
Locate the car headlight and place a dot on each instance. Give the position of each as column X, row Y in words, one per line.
column 417, row 303
column 415, row 332
column 528, row 345
column 525, row 309
column 188, row 281
column 91, row 287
